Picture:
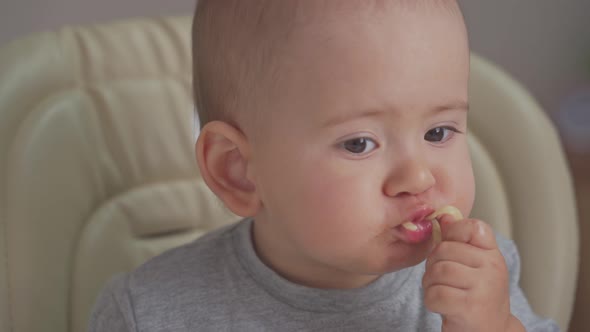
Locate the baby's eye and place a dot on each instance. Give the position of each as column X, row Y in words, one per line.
column 440, row 134
column 359, row 145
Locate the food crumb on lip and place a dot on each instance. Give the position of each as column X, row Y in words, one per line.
column 410, row 226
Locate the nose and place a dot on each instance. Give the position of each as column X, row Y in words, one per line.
column 411, row 177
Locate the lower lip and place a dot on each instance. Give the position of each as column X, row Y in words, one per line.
column 423, row 233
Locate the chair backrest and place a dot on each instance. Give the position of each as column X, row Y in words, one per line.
column 97, row 172
column 524, row 187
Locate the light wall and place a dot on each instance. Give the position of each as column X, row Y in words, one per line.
column 545, row 44
column 19, row 17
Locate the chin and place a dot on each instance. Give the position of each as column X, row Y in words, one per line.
column 408, row 255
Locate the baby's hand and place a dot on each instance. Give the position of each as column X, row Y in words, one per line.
column 466, row 279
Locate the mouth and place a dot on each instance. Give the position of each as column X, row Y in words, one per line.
column 421, row 224
column 417, row 228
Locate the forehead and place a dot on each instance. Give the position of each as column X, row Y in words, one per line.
column 398, row 59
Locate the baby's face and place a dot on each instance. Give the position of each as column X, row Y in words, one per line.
column 365, row 131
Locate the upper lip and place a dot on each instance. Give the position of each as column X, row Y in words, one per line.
column 418, row 214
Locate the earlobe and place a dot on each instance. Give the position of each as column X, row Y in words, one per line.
column 223, row 157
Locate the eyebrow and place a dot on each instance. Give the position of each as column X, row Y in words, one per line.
column 460, row 105
column 455, row 105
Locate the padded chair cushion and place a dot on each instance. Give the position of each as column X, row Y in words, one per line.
column 539, row 203
column 98, row 170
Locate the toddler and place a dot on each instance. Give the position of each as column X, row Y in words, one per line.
column 335, row 128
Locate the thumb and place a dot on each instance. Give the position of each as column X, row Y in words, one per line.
column 471, row 231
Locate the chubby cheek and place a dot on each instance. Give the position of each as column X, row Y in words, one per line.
column 340, row 209
column 456, row 181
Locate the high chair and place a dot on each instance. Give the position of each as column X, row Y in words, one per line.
column 98, row 174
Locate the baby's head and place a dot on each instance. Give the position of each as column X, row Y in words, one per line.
column 332, row 123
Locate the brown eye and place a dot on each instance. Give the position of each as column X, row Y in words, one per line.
column 359, row 145
column 439, row 134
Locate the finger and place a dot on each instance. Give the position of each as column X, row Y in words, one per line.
column 447, row 301
column 472, row 231
column 459, row 252
column 449, row 273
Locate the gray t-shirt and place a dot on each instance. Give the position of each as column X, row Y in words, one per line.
column 218, row 283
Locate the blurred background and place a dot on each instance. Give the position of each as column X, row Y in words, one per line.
column 544, row 44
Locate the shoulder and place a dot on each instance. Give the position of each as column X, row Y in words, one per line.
column 506, row 246
column 179, row 279
column 112, row 310
column 187, row 264
column 519, row 305
column 509, row 250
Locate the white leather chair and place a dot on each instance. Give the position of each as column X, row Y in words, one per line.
column 97, row 172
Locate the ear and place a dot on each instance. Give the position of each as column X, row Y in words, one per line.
column 223, row 157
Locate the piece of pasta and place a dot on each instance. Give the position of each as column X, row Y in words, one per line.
column 450, row 210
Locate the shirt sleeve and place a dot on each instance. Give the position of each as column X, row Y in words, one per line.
column 113, row 309
column 518, row 303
